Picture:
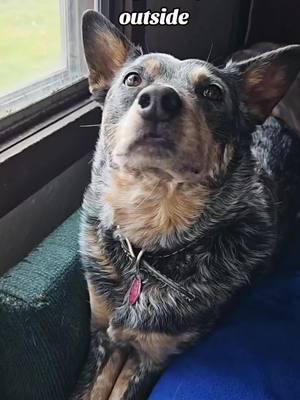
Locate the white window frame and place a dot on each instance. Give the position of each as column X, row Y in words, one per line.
column 74, row 70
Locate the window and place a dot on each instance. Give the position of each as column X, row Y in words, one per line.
column 40, row 49
column 48, row 123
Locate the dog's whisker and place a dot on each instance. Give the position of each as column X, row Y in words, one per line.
column 90, row 126
column 210, row 52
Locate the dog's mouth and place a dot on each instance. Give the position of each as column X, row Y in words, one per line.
column 153, row 139
column 156, row 148
column 159, row 143
column 157, row 156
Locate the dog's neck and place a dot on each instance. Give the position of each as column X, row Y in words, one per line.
column 152, row 212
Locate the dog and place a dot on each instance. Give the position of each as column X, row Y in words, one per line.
column 193, row 188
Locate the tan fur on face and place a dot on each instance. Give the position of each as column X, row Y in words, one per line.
column 125, row 132
column 153, row 66
column 200, row 74
column 149, row 210
column 220, row 159
column 197, row 142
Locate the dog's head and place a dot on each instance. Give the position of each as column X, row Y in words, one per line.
column 180, row 120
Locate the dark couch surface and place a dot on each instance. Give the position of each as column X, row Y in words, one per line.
column 44, row 314
column 254, row 354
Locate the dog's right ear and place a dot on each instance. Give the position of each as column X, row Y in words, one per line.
column 106, row 50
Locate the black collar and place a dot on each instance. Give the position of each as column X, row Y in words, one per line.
column 141, row 265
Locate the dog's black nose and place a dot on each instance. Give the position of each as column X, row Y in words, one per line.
column 159, row 103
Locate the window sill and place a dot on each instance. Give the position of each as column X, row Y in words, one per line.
column 31, row 159
column 17, row 123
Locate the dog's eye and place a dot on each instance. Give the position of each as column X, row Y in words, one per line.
column 213, row 92
column 133, row 79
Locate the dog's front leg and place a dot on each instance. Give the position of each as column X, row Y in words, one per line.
column 136, row 379
column 103, row 365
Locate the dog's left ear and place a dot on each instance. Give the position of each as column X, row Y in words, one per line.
column 266, row 79
column 106, row 50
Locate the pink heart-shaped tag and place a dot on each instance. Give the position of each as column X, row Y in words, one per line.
column 135, row 290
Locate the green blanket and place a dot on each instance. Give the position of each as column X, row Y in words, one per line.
column 44, row 320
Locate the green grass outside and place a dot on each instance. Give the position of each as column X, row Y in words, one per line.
column 30, row 41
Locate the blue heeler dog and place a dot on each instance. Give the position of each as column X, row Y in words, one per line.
column 193, row 188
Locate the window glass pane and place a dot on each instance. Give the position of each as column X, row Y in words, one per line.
column 40, row 49
column 30, row 41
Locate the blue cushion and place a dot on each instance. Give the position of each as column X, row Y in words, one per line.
column 254, row 353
